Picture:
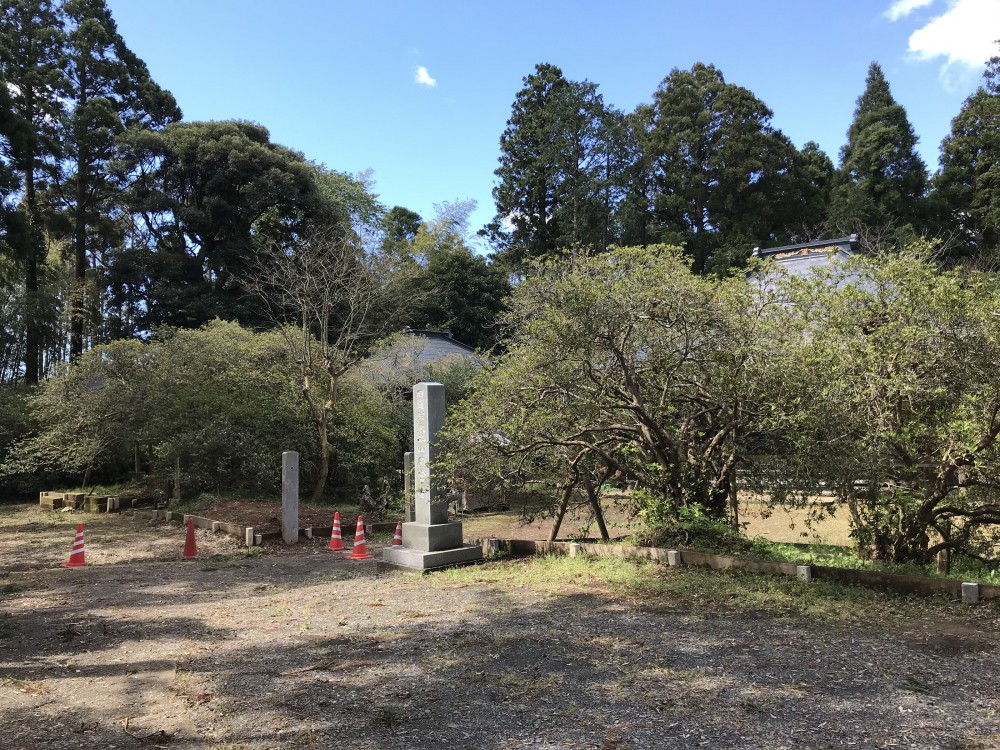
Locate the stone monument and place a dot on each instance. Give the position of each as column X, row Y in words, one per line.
column 430, row 541
column 408, row 512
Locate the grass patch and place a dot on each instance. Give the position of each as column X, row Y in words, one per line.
column 701, row 533
column 389, row 717
column 836, row 556
column 188, row 687
column 703, row 591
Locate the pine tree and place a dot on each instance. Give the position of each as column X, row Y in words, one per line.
column 563, row 164
column 111, row 92
column 9, row 230
column 719, row 172
column 969, row 181
column 812, row 184
column 31, row 44
column 882, row 180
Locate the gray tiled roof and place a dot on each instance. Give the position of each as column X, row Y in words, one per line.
column 806, row 256
column 438, row 347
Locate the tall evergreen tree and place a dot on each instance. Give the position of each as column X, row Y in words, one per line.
column 562, row 160
column 399, row 228
column 882, row 180
column 719, row 171
column 9, row 183
column 31, row 44
column 811, row 187
column 969, row 181
column 111, row 91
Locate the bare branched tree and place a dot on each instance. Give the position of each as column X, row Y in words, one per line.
column 330, row 299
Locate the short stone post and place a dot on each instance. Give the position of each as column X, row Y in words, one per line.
column 674, row 558
column 409, row 511
column 249, row 536
column 970, row 593
column 290, row 497
column 804, row 572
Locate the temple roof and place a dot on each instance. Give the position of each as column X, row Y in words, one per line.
column 438, row 344
column 806, row 256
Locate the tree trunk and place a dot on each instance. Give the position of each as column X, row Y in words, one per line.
column 595, row 505
column 563, row 503
column 734, row 502
column 32, row 334
column 944, row 562
column 324, row 461
column 77, row 309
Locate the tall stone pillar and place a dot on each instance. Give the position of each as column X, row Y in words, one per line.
column 290, row 497
column 429, row 541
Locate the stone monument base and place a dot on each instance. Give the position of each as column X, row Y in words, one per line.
column 432, row 537
column 415, row 559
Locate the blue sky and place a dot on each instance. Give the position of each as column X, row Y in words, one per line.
column 419, row 92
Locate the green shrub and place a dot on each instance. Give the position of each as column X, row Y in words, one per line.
column 16, row 423
column 219, row 398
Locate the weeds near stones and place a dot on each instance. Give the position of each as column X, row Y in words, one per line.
column 31, row 687
column 187, row 687
column 389, row 716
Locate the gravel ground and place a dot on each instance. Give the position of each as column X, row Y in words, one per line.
column 301, row 649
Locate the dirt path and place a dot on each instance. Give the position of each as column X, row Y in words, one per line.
column 304, row 650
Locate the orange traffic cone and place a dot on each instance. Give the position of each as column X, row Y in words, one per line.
column 336, row 541
column 190, row 547
column 76, row 556
column 397, row 536
column 360, row 550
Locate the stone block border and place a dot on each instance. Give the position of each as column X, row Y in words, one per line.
column 969, row 593
column 89, row 503
column 252, row 537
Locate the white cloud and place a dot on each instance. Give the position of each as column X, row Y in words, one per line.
column 903, row 8
column 423, row 77
column 964, row 34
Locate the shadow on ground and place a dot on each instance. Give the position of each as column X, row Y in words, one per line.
column 308, row 651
